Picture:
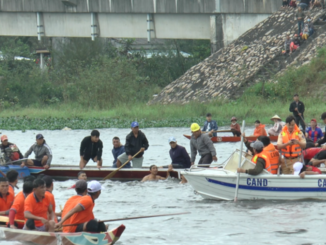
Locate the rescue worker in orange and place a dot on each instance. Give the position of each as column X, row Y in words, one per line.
column 260, row 159
column 291, row 142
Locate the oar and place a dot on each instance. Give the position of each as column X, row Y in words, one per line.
column 240, row 160
column 17, row 161
column 115, row 171
column 219, row 131
column 140, row 217
column 4, row 175
column 5, row 219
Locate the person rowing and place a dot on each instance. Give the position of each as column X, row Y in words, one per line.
column 91, row 148
column 153, row 176
column 118, row 149
column 82, row 214
column 6, row 198
column 12, row 176
column 235, row 127
column 42, row 151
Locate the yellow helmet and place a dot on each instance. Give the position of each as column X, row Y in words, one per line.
column 194, row 127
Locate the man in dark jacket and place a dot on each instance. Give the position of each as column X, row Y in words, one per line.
column 210, row 125
column 135, row 141
column 117, row 150
column 179, row 156
column 91, row 148
column 322, row 140
column 9, row 150
column 297, row 108
column 42, row 152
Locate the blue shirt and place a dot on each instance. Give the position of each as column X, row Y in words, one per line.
column 209, row 126
column 179, row 155
column 117, row 152
column 314, row 135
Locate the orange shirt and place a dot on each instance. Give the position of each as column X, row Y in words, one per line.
column 260, row 130
column 86, row 215
column 11, row 190
column 5, row 204
column 70, row 204
column 37, row 207
column 18, row 205
column 51, row 196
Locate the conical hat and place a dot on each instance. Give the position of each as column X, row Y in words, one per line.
column 276, row 117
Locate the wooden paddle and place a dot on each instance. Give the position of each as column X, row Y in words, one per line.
column 115, row 171
column 219, row 131
column 5, row 219
column 4, row 175
column 140, row 217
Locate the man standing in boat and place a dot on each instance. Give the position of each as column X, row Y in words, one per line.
column 202, row 143
column 260, row 159
column 291, row 142
column 91, row 148
column 210, row 125
column 297, row 108
column 42, row 151
column 135, row 141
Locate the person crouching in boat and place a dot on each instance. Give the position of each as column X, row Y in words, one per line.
column 278, row 126
column 91, row 148
column 17, row 209
column 291, row 142
column 235, row 127
column 260, row 159
column 154, row 174
column 38, row 209
column 81, row 190
column 82, row 214
column 202, row 143
column 6, row 198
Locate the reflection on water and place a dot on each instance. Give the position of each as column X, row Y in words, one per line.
column 210, row 222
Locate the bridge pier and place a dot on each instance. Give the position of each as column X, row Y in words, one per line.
column 40, row 25
column 216, row 32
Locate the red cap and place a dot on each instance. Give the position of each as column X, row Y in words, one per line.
column 4, row 137
column 313, row 120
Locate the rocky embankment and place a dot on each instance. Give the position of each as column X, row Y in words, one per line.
column 229, row 71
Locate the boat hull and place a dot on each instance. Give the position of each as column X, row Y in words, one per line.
column 64, row 172
column 221, row 185
column 22, row 172
column 219, row 139
column 51, row 238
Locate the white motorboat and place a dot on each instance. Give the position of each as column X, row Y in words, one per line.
column 220, row 183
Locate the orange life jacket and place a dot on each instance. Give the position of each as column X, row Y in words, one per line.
column 262, row 155
column 273, row 157
column 260, row 130
column 291, row 151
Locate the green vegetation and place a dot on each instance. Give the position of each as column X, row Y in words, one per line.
column 86, row 90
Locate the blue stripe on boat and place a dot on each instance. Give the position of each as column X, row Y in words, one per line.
column 265, row 188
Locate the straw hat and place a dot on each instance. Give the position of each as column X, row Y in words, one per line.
column 276, row 117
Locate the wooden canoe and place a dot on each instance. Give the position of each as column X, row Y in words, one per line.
column 60, row 238
column 232, row 138
column 64, row 172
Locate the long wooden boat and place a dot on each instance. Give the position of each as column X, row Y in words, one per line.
column 232, row 138
column 60, row 238
column 64, row 172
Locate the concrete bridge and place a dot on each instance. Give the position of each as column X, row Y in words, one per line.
column 220, row 21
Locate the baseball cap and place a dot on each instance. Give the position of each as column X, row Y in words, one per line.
column 297, row 168
column 39, row 136
column 313, row 120
column 134, row 124
column 172, row 139
column 81, row 184
column 94, row 186
column 257, row 145
column 4, row 137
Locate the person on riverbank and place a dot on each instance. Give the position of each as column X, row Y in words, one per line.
column 135, row 141
column 290, row 142
column 297, row 108
column 278, row 126
column 153, row 169
column 287, row 44
column 295, row 44
column 313, row 132
column 179, row 155
column 6, row 198
column 235, row 127
column 10, row 150
column 300, row 18
column 285, row 3
column 82, row 213
column 38, row 209
column 293, row 4
column 12, row 176
column 118, row 149
column 202, row 144
column 91, row 147
column 210, row 125
column 260, row 160
column 81, row 190
column 17, row 209
column 42, row 151
column 259, row 129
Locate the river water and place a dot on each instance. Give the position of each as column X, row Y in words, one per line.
column 209, row 222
